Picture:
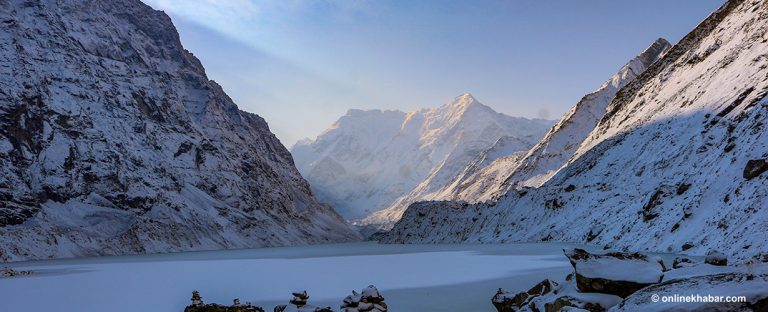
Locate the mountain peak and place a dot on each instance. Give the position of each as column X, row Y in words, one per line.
column 465, row 99
column 462, row 102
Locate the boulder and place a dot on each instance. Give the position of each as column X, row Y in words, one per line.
column 682, row 262
column 568, row 303
column 614, row 273
column 550, row 296
column 506, row 302
column 369, row 299
column 754, row 168
column 715, row 257
column 687, row 245
column 707, row 288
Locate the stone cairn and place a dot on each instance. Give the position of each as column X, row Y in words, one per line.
column 367, row 300
column 199, row 306
column 299, row 304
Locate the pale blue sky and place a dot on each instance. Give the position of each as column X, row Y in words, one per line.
column 302, row 64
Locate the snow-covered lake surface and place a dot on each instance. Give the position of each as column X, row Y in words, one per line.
column 410, row 277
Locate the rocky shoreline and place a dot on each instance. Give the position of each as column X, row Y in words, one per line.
column 9, row 272
column 610, row 281
column 620, row 281
column 367, row 300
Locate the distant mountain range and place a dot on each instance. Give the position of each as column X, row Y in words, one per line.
column 381, row 161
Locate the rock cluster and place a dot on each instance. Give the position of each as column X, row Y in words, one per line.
column 625, row 282
column 507, row 302
column 199, row 306
column 9, row 272
column 299, row 304
column 368, row 300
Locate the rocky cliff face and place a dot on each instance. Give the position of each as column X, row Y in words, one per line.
column 114, row 141
column 372, row 160
column 674, row 164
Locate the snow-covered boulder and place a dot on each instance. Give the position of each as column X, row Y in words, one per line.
column 368, row 300
column 708, row 288
column 681, row 262
column 614, row 273
column 551, row 296
column 715, row 257
column 676, row 291
column 507, row 302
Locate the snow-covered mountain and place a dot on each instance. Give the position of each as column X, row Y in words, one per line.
column 114, row 141
column 504, row 164
column 497, row 171
column 368, row 159
column 676, row 163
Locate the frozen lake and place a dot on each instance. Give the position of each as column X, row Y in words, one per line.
column 410, row 277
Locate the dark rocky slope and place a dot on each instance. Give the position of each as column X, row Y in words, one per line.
column 114, row 141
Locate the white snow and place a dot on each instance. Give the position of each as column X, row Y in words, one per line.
column 372, row 160
column 458, row 278
column 540, row 163
column 639, row 271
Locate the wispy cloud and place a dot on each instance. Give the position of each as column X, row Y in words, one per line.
column 226, row 16
column 247, row 20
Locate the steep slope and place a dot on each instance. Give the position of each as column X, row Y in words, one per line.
column 675, row 164
column 114, row 141
column 368, row 159
column 481, row 183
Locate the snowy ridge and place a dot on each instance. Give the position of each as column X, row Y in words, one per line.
column 675, row 164
column 368, row 160
column 114, row 141
column 482, row 183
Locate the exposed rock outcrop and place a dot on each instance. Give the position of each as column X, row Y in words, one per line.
column 754, row 168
